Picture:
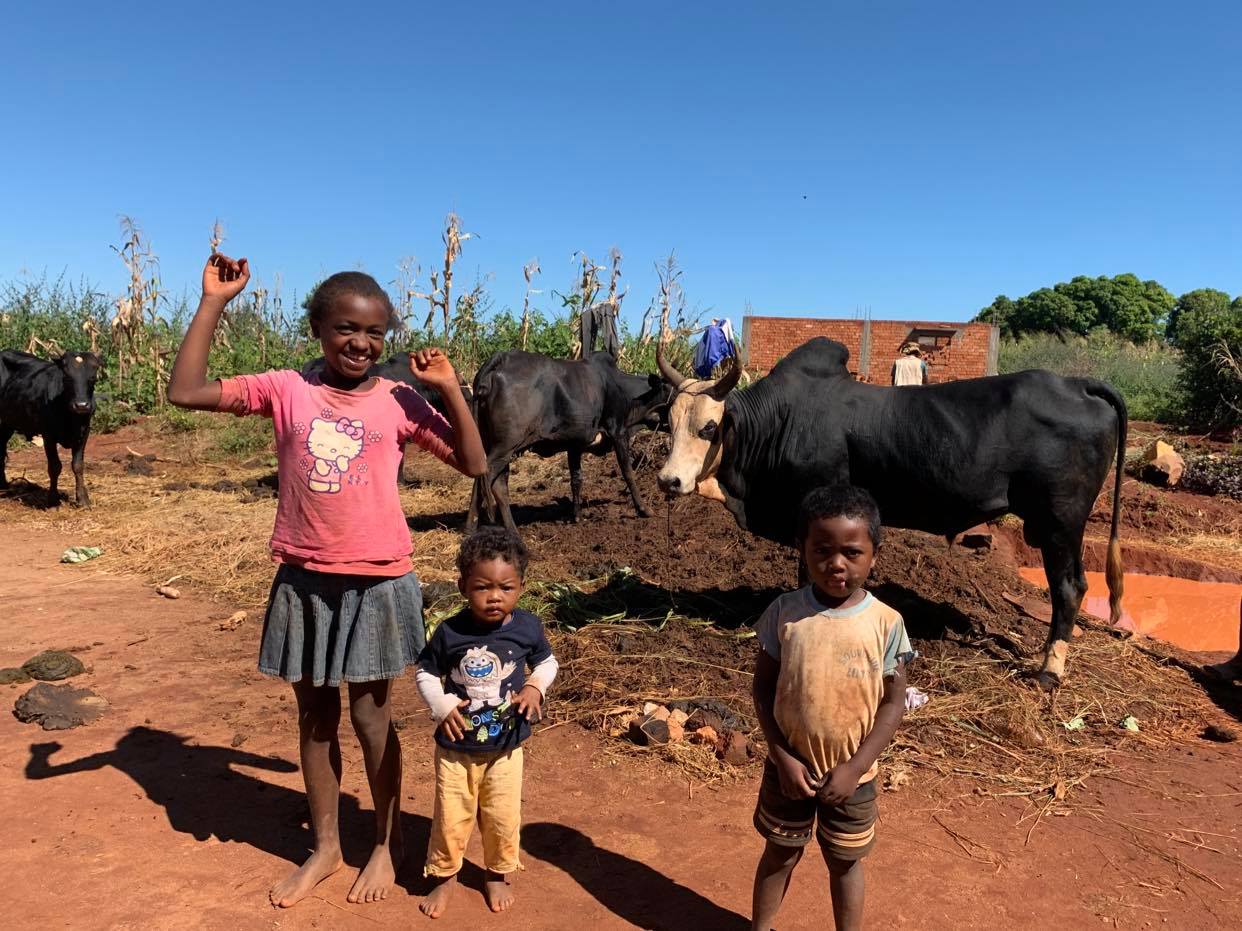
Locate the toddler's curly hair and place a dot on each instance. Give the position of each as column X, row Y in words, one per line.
column 493, row 543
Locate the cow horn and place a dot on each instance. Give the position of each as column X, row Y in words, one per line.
column 671, row 375
column 726, row 383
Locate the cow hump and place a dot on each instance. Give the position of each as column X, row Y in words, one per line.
column 819, row 357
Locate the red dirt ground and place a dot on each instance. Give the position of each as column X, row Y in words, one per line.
column 151, row 818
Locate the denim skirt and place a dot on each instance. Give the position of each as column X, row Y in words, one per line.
column 332, row 628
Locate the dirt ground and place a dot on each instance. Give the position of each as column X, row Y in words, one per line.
column 181, row 806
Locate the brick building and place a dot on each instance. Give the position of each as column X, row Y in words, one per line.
column 951, row 350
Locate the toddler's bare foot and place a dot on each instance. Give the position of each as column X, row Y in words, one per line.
column 497, row 891
column 297, row 885
column 378, row 875
column 438, row 899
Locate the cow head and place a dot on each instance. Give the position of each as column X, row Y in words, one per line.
column 694, row 420
column 79, row 371
column 650, row 409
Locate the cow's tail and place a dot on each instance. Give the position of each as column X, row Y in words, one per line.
column 1113, row 570
column 482, row 489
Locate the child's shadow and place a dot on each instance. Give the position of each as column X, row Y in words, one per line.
column 205, row 797
column 633, row 891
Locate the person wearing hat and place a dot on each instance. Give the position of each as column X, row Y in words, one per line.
column 910, row 369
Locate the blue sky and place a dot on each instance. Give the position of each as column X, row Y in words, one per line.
column 915, row 158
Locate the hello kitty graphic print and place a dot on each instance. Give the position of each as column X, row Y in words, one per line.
column 332, row 446
column 338, row 454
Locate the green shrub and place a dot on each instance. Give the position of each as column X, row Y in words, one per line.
column 1145, row 375
column 1209, row 333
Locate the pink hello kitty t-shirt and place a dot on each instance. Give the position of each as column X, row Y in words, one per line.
column 338, row 454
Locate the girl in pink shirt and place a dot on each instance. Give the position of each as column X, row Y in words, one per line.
column 345, row 605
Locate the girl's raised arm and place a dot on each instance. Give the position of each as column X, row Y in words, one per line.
column 223, row 280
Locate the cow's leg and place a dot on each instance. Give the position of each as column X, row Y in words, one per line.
column 5, row 435
column 500, row 490
column 53, row 472
column 621, row 443
column 1067, row 583
column 81, row 497
column 575, row 482
column 472, row 515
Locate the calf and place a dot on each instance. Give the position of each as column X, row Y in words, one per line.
column 523, row 400
column 54, row 400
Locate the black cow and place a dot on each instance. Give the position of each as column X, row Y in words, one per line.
column 523, row 400
column 54, row 400
column 940, row 458
column 396, row 368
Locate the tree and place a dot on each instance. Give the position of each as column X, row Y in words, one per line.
column 1202, row 302
column 1045, row 311
column 1209, row 333
column 1125, row 305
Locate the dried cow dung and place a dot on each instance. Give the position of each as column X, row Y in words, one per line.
column 12, row 674
column 58, row 707
column 51, row 665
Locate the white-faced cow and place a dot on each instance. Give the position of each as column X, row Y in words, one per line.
column 524, row 400
column 54, row 400
column 940, row 458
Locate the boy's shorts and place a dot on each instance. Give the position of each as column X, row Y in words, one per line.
column 845, row 831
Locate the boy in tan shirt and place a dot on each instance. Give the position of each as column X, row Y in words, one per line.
column 829, row 692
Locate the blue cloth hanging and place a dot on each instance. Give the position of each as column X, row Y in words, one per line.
column 715, row 346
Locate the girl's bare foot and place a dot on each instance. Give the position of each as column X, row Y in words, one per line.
column 378, row 875
column 497, row 891
column 297, row 885
column 438, row 899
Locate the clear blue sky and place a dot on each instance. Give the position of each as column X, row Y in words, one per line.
column 917, row 158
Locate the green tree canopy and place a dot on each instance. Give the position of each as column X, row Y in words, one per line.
column 1209, row 333
column 1202, row 303
column 1124, row 304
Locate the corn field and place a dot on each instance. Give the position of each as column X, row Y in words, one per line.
column 137, row 334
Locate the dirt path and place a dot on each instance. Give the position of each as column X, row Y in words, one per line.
column 182, row 805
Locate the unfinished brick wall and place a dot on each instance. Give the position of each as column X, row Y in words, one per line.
column 951, row 350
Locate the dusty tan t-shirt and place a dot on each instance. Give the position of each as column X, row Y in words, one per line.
column 833, row 664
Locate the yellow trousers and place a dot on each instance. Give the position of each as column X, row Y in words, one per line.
column 486, row 787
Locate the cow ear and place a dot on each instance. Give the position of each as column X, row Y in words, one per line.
column 726, row 383
column 654, row 380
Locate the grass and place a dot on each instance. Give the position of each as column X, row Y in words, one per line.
column 1146, row 376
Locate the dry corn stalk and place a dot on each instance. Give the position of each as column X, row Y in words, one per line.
column 529, row 270
column 136, row 325
column 453, row 238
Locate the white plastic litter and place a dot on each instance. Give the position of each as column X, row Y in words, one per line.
column 915, row 698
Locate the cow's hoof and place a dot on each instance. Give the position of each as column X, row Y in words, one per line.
column 1048, row 681
column 643, row 512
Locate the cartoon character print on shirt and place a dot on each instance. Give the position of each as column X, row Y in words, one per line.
column 481, row 674
column 332, row 445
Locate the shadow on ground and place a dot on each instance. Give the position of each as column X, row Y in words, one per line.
column 205, row 796
column 636, row 893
